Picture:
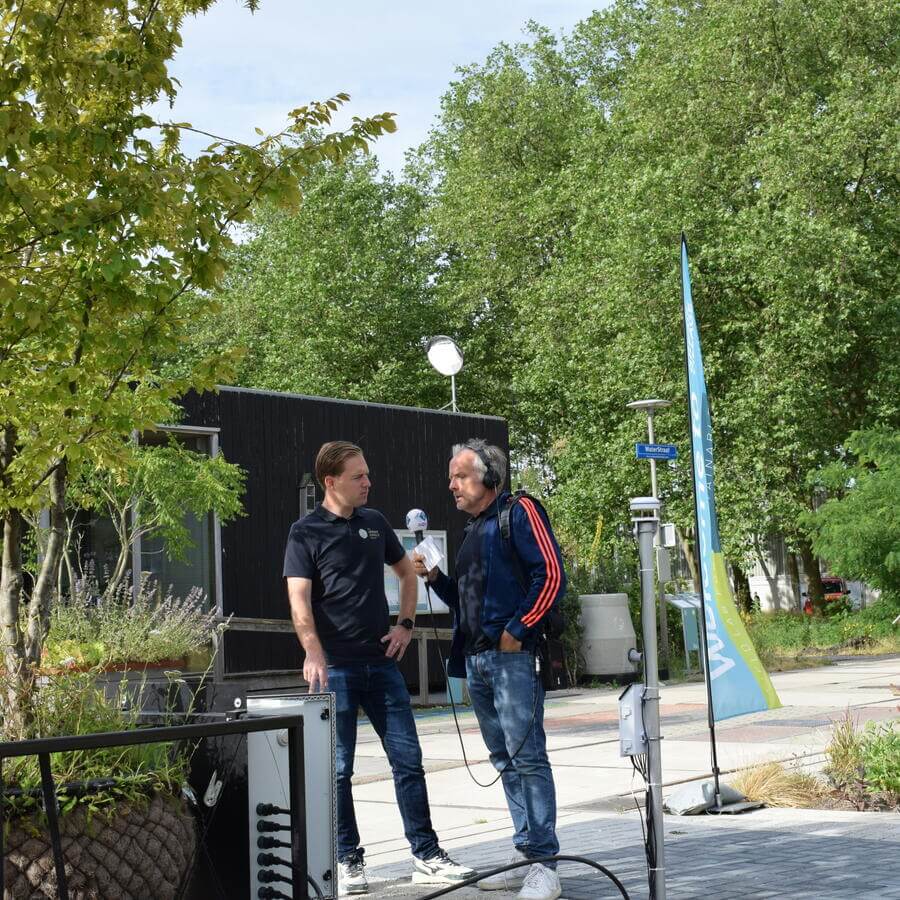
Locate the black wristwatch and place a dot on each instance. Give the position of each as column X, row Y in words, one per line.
column 408, row 624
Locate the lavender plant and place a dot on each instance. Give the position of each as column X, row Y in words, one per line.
column 144, row 627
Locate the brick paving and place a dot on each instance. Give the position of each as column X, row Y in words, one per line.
column 768, row 853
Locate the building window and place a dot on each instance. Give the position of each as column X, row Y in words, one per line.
column 198, row 567
column 392, row 583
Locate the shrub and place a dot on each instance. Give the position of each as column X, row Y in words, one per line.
column 85, row 631
column 880, row 758
column 73, row 703
column 865, row 764
column 786, row 634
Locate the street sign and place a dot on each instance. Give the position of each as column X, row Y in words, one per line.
column 656, row 451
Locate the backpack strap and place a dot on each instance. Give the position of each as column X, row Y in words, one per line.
column 506, row 535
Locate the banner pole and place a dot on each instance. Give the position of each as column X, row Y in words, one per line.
column 711, row 720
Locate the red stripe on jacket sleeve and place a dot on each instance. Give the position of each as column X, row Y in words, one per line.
column 551, row 583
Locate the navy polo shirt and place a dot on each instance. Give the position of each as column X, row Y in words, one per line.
column 345, row 559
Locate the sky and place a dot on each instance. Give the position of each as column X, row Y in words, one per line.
column 239, row 71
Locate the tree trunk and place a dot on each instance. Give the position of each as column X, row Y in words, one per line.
column 813, row 574
column 686, row 543
column 741, row 588
column 126, row 538
column 16, row 676
column 42, row 595
column 794, row 572
column 16, row 679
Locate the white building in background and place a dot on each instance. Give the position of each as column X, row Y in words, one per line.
column 780, row 582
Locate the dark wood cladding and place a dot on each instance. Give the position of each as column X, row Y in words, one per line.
column 274, row 438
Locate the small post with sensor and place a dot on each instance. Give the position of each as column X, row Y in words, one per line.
column 639, row 732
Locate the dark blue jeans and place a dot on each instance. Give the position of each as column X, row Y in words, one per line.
column 382, row 694
column 508, row 699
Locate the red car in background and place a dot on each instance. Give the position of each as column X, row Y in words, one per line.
column 836, row 590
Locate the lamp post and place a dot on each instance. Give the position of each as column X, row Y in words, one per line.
column 444, row 354
column 650, row 407
column 645, row 515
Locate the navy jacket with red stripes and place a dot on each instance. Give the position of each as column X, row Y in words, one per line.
column 506, row 603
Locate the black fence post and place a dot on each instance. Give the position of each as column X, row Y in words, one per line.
column 2, row 830
column 62, row 885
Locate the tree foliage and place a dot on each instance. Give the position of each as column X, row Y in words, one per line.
column 332, row 298
column 152, row 494
column 110, row 241
column 858, row 529
column 768, row 131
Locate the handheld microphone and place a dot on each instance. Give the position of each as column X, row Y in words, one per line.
column 416, row 522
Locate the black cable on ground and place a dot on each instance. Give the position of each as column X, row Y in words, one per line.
column 543, row 859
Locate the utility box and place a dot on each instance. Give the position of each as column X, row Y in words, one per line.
column 632, row 738
column 267, row 783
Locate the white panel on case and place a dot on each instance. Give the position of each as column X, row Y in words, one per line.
column 267, row 782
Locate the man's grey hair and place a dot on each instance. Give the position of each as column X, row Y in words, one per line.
column 493, row 453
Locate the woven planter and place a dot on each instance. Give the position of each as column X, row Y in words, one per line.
column 140, row 853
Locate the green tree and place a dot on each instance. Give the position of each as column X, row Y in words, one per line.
column 499, row 214
column 151, row 494
column 110, row 241
column 332, row 298
column 768, row 131
column 858, row 529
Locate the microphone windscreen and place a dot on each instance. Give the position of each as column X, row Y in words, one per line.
column 416, row 520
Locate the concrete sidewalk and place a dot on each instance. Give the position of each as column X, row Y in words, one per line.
column 766, row 853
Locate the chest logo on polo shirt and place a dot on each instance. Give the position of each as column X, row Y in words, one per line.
column 363, row 533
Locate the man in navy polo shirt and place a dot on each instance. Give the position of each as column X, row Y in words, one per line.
column 334, row 566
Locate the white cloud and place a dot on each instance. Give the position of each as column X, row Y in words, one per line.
column 239, row 71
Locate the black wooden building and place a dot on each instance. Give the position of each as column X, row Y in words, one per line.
column 274, row 437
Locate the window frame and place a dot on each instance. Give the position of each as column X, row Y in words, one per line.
column 212, row 434
column 437, row 605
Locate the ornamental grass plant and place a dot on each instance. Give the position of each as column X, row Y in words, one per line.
column 775, row 785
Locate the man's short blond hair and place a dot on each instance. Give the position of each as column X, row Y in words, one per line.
column 331, row 458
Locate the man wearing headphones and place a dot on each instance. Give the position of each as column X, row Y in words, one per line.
column 503, row 590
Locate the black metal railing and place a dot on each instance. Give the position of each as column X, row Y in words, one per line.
column 43, row 747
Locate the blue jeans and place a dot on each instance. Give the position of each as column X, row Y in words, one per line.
column 381, row 692
column 508, row 699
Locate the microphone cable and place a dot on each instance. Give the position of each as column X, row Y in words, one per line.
column 462, row 745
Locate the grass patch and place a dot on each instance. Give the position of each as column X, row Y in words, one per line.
column 773, row 784
column 782, row 636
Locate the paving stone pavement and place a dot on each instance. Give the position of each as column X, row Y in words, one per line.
column 768, row 853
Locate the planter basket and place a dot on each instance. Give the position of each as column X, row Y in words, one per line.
column 140, row 853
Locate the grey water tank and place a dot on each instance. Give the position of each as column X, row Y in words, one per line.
column 608, row 634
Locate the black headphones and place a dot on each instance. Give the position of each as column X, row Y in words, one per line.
column 491, row 478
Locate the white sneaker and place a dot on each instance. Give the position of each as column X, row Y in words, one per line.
column 541, row 883
column 440, row 869
column 510, row 880
column 352, row 876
